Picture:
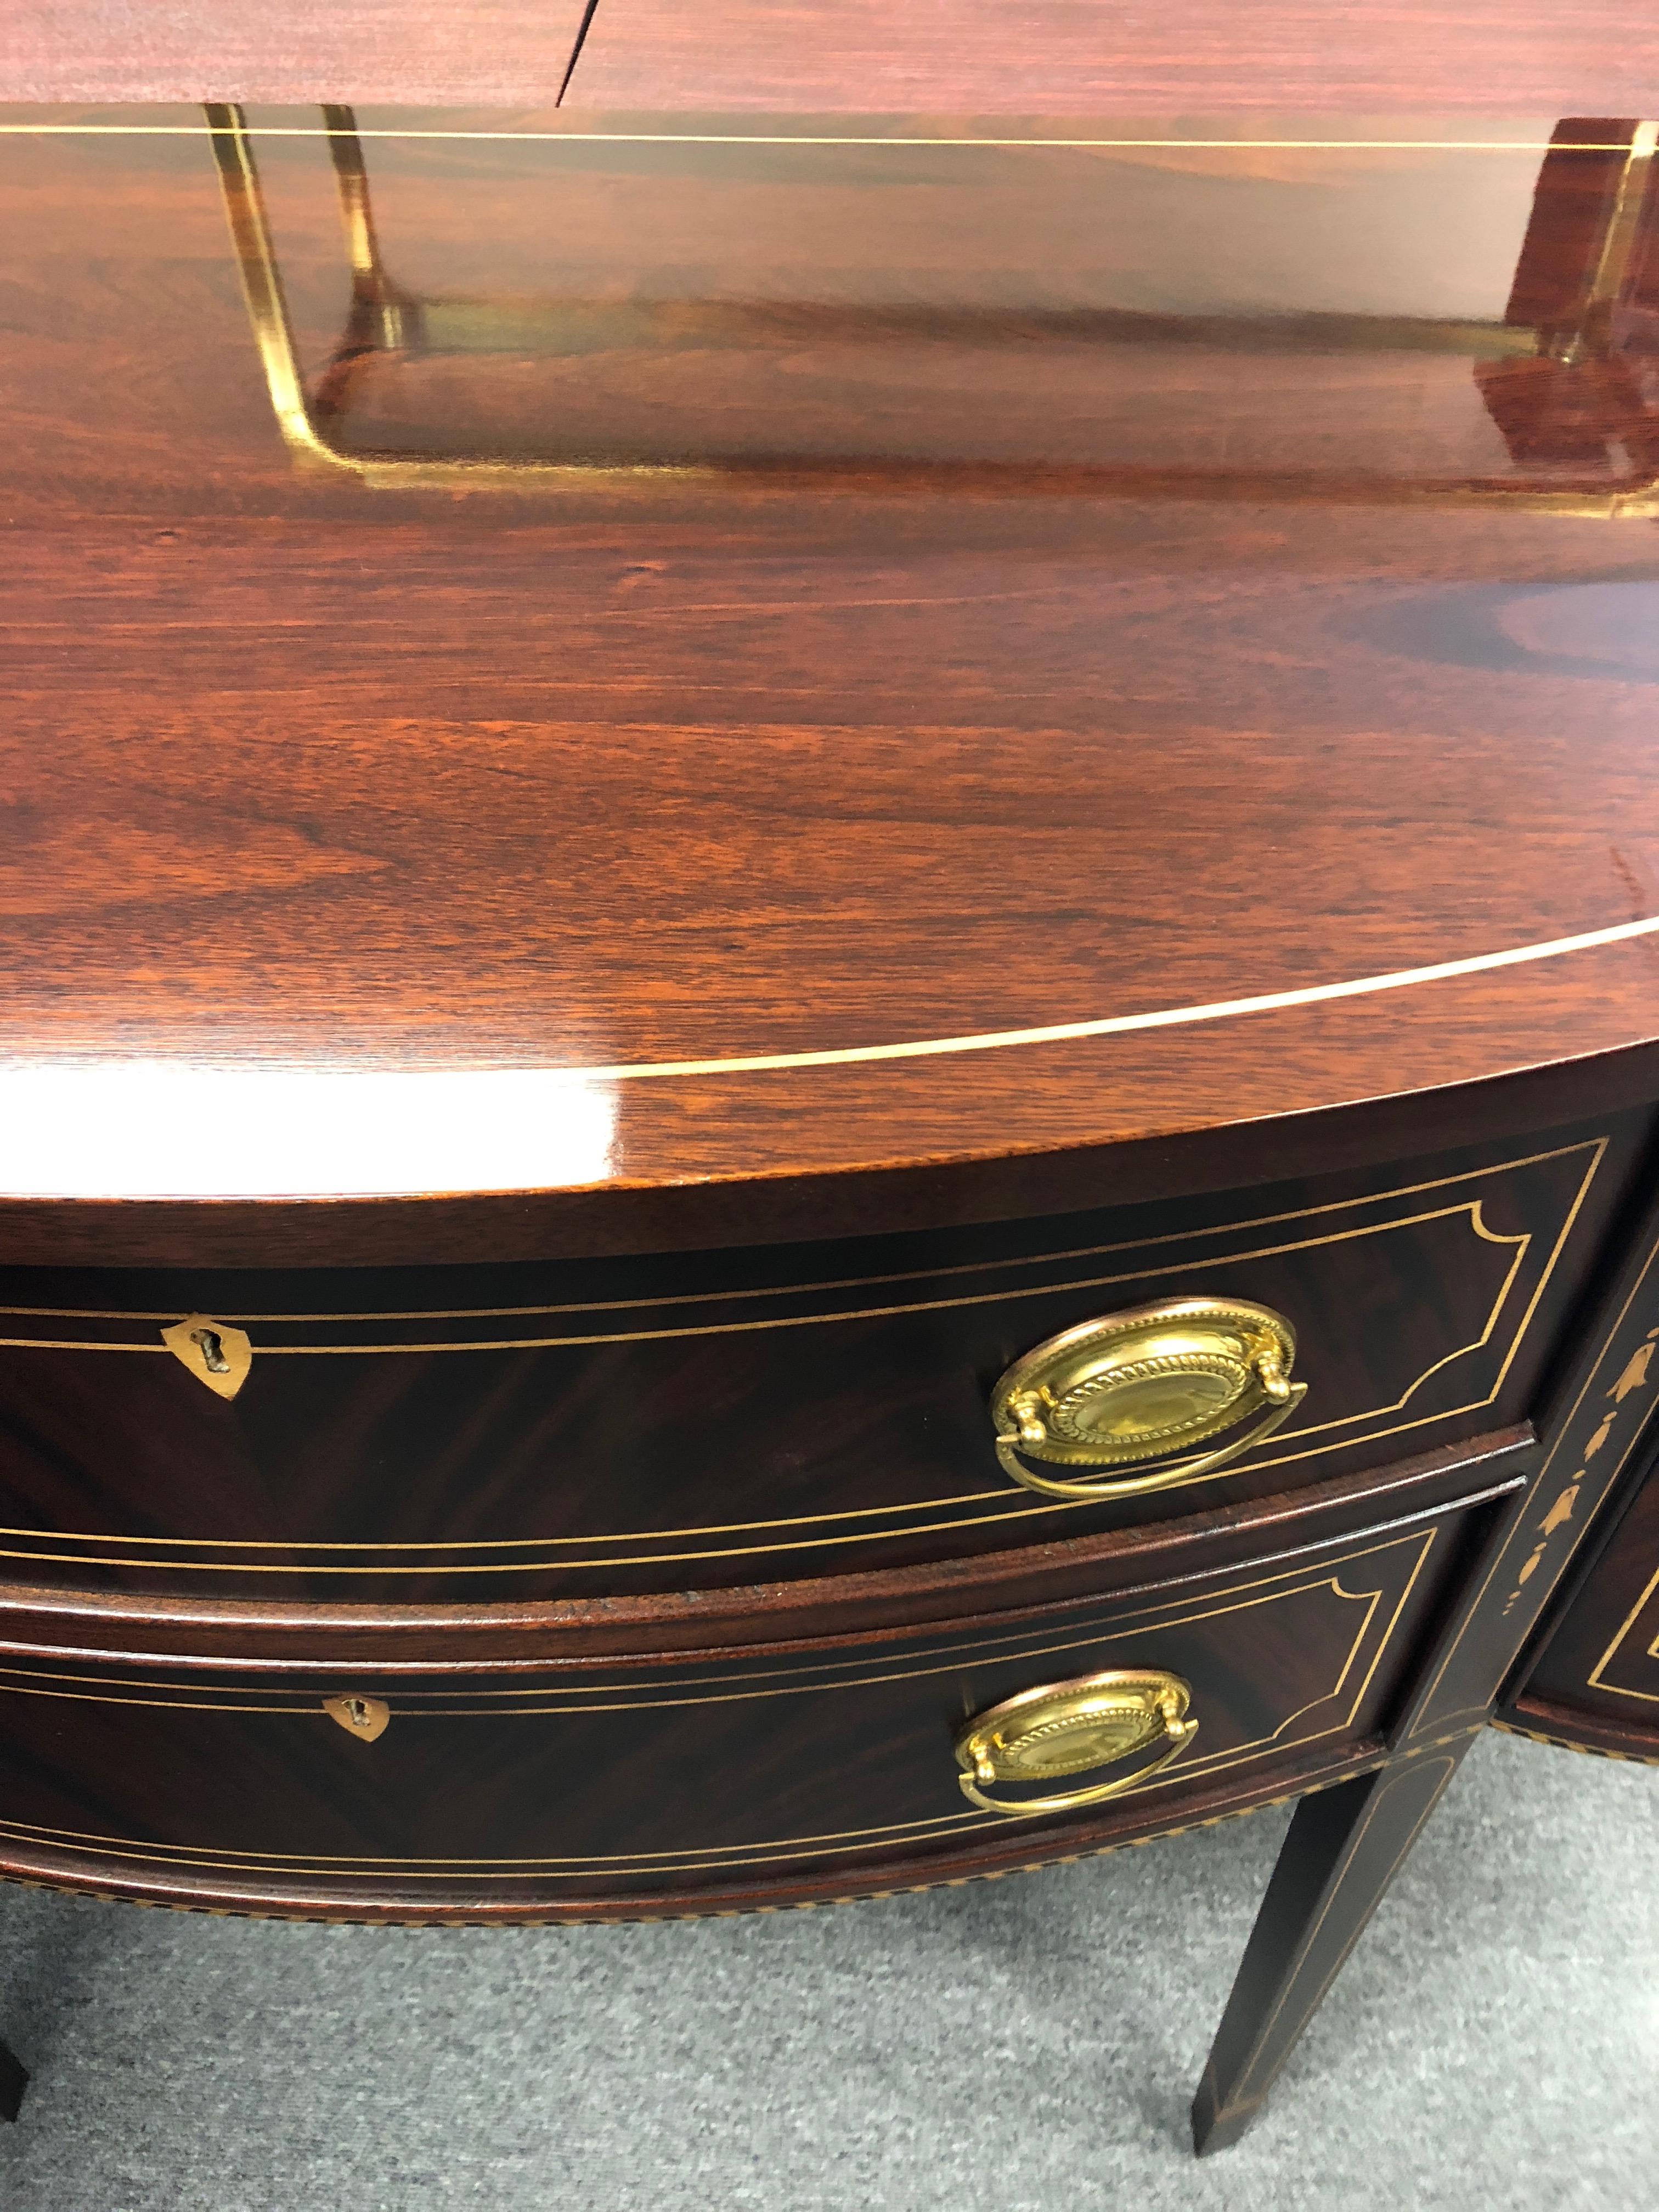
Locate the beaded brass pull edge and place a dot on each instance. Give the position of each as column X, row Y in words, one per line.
column 1176, row 1373
column 983, row 1748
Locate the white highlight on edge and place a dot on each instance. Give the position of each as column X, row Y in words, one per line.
column 158, row 1128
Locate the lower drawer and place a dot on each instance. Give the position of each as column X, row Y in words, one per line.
column 756, row 1773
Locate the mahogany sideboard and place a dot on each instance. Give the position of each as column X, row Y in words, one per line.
column 830, row 1054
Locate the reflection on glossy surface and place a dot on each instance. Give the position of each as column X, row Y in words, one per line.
column 177, row 1129
column 1227, row 322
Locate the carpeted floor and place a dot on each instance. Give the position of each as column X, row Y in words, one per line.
column 1021, row 2046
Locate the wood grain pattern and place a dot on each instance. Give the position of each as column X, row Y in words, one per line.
column 341, row 816
column 499, row 50
column 695, row 1783
column 1074, row 57
column 515, row 865
column 484, row 1638
column 660, row 1424
column 956, row 56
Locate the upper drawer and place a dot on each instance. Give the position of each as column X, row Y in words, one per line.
column 403, row 1785
column 724, row 1419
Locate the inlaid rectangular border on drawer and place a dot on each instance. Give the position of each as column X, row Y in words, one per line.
column 895, row 1496
column 1629, row 1667
column 1594, row 1681
column 609, row 1785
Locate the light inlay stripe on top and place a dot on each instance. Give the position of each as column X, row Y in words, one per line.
column 1541, row 144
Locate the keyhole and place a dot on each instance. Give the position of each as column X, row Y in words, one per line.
column 364, row 1718
column 212, row 1350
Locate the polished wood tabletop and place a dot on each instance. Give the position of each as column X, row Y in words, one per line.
column 691, row 682
column 1548, row 57
column 811, row 921
column 1049, row 57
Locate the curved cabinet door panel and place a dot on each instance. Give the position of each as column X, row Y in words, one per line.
column 1596, row 1681
column 697, row 1780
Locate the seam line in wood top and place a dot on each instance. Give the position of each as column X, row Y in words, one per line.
column 1308, row 994
column 1109, row 1026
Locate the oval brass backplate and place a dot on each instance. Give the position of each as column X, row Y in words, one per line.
column 1072, row 1728
column 1137, row 1385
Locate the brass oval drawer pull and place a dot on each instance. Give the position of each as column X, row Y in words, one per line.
column 1070, row 1726
column 1138, row 1385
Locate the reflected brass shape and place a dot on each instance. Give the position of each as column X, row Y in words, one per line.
column 1138, row 1385
column 1531, row 411
column 1070, row 1728
column 364, row 1718
column 214, row 1352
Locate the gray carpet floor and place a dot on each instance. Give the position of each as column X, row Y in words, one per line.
column 1017, row 2045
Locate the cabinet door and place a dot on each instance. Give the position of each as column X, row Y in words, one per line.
column 1595, row 1682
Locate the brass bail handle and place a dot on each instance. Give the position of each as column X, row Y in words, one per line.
column 1070, row 1728
column 1139, row 1386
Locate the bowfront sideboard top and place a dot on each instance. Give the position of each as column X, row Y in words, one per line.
column 862, row 57
column 634, row 683
column 828, row 1014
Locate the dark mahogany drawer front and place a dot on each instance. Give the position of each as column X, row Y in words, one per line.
column 1597, row 1679
column 682, row 1783
column 520, row 1433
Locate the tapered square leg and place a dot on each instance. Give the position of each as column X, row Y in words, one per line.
column 1342, row 1851
column 14, row 2079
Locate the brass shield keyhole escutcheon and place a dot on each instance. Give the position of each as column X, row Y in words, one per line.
column 214, row 1352
column 364, row 1718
